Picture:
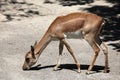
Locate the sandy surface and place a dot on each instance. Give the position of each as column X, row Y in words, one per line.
column 17, row 36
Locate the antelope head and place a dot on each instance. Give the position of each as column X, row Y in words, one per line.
column 30, row 59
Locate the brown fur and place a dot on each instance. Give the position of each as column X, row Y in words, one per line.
column 87, row 23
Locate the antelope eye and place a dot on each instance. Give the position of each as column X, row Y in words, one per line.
column 27, row 59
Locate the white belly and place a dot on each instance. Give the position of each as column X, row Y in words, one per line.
column 75, row 35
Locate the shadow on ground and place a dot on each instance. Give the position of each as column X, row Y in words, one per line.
column 71, row 2
column 111, row 31
column 73, row 67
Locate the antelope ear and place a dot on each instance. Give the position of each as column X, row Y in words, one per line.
column 35, row 44
column 32, row 50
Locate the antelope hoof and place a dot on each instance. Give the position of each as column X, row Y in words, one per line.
column 88, row 72
column 55, row 68
column 106, row 70
column 79, row 71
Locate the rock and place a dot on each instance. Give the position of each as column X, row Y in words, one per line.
column 10, row 12
column 32, row 12
column 18, row 1
column 3, row 18
column 22, row 14
column 50, row 1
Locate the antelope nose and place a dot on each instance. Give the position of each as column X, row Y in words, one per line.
column 25, row 68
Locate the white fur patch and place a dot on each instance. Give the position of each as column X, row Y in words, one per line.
column 65, row 35
column 76, row 34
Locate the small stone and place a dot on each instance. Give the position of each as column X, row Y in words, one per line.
column 3, row 17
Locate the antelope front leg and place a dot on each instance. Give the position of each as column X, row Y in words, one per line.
column 60, row 54
column 71, row 52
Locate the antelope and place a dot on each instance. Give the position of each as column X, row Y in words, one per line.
column 87, row 24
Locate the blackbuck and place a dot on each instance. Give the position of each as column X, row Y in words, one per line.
column 87, row 24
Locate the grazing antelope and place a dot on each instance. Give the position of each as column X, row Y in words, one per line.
column 88, row 24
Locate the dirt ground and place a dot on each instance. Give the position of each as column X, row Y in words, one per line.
column 16, row 37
